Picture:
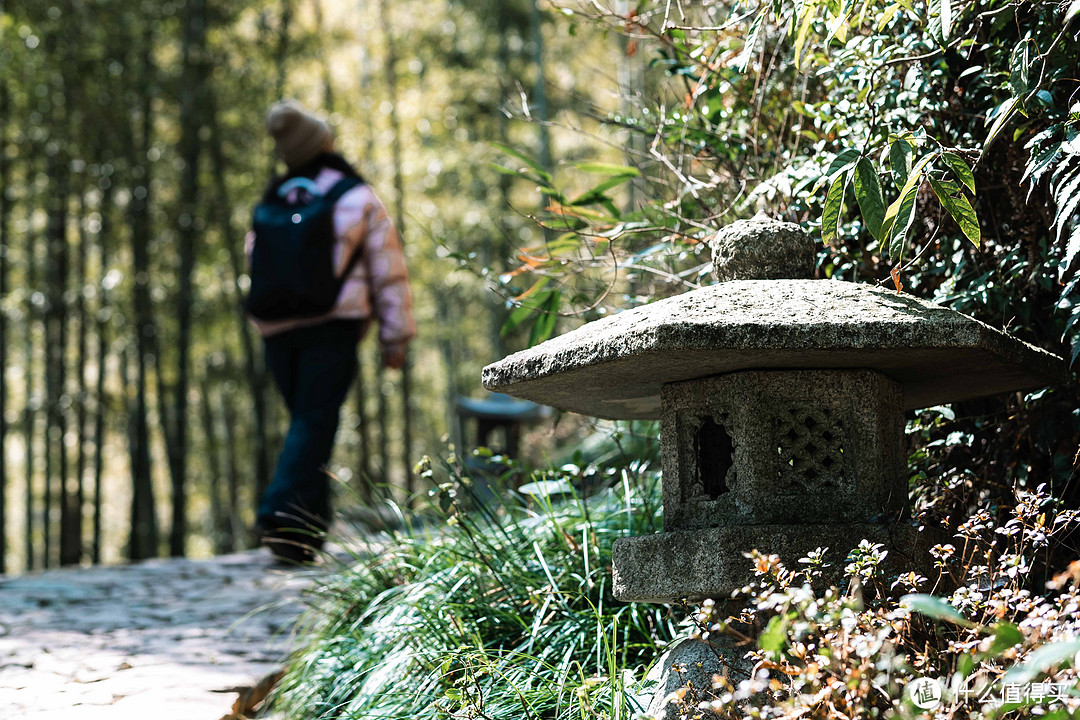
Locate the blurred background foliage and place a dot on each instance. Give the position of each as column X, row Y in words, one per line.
column 135, row 414
column 549, row 163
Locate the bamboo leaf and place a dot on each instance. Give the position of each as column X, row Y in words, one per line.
column 743, row 60
column 609, row 169
column 945, row 9
column 532, row 164
column 834, row 202
column 960, row 209
column 868, row 194
column 934, row 607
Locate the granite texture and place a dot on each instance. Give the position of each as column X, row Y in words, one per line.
column 710, row 562
column 614, row 368
column 691, row 664
column 796, row 446
column 762, row 249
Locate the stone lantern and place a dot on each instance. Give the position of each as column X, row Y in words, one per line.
column 781, row 401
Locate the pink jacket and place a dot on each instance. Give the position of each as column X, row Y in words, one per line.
column 377, row 285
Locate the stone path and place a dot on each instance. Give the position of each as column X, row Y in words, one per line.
column 162, row 639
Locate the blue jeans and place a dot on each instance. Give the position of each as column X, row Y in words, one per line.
column 313, row 367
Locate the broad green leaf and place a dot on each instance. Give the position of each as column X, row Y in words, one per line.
column 868, row 194
column 808, row 17
column 1040, row 661
column 1006, row 636
column 830, row 214
column 934, row 607
column 960, row 209
column 905, row 215
column 964, row 665
column 534, row 297
column 533, row 164
column 608, row 169
column 1020, row 67
column 774, row 639
column 544, row 326
column 910, row 188
column 844, row 161
column 960, row 169
column 596, row 194
column 945, row 9
column 900, row 161
column 1003, row 113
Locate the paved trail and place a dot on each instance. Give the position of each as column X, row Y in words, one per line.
column 159, row 640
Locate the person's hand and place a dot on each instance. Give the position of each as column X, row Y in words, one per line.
column 393, row 357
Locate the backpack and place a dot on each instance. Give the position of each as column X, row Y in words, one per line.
column 292, row 264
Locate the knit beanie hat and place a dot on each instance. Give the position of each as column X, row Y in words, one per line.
column 298, row 135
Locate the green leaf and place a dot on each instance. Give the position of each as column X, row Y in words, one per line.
column 534, row 298
column 1039, row 661
column 900, row 161
column 960, row 169
column 834, row 202
column 808, row 17
column 774, row 639
column 843, row 162
column 964, row 665
column 934, row 607
column 1073, row 11
column 945, row 10
column 1006, row 637
column 960, row 209
column 533, row 164
column 743, row 60
column 608, row 169
column 901, row 212
column 544, row 326
column 1020, row 67
column 868, row 194
column 1002, row 114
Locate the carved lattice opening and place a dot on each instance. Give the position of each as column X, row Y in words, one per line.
column 713, row 448
column 810, row 448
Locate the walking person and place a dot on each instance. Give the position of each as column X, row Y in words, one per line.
column 325, row 262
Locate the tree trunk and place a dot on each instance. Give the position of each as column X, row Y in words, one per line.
column 56, row 280
column 191, row 107
column 540, row 87
column 281, row 53
column 399, row 221
column 228, row 414
column 370, row 481
column 143, row 542
column 30, row 409
column 253, row 369
column 219, row 510
column 5, row 212
column 71, row 544
column 320, row 32
column 101, row 327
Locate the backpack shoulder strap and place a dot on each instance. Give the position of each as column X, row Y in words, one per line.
column 341, row 187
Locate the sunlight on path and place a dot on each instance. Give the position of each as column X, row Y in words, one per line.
column 160, row 639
